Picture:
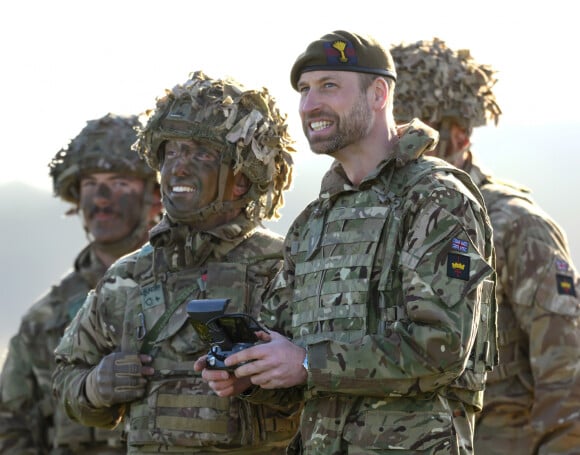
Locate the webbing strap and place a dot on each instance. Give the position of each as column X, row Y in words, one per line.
column 272, row 424
column 193, row 401
column 191, row 424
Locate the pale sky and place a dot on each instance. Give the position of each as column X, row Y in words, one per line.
column 65, row 62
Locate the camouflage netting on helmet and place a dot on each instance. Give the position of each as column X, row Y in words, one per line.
column 103, row 145
column 245, row 125
column 435, row 82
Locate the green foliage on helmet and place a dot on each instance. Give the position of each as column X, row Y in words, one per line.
column 244, row 125
column 103, row 145
column 435, row 82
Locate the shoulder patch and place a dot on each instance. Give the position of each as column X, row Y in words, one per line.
column 152, row 295
column 458, row 266
column 561, row 266
column 459, row 245
column 565, row 285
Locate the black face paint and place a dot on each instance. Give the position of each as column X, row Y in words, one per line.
column 110, row 213
column 189, row 178
column 103, row 191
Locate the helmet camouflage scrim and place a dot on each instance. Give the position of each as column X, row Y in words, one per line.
column 244, row 125
column 435, row 82
column 104, row 145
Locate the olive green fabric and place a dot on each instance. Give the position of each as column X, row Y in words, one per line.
column 344, row 51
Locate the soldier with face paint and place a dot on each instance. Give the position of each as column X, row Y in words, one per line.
column 117, row 197
column 223, row 155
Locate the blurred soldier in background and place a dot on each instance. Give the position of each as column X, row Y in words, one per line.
column 117, row 196
column 223, row 156
column 532, row 400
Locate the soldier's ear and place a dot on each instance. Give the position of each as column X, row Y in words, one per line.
column 241, row 185
column 379, row 93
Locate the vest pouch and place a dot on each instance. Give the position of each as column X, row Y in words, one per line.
column 228, row 280
column 184, row 412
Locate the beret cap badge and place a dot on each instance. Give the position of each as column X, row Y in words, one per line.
column 344, row 51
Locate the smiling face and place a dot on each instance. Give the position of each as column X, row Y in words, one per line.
column 190, row 179
column 334, row 110
column 111, row 205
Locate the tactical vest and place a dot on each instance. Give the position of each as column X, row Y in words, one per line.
column 179, row 409
column 512, row 341
column 347, row 283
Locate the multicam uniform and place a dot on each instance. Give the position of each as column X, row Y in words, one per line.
column 532, row 400
column 29, row 415
column 389, row 287
column 179, row 413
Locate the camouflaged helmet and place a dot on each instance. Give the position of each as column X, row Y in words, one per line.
column 104, row 145
column 244, row 125
column 435, row 82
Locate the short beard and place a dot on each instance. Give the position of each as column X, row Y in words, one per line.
column 352, row 127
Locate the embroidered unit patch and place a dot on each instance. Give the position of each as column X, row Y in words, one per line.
column 458, row 266
column 565, row 285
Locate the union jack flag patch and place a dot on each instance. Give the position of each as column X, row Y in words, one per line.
column 459, row 245
column 561, row 266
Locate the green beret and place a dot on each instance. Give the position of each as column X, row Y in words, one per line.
column 344, row 51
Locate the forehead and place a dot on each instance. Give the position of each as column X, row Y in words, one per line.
column 181, row 142
column 107, row 176
column 314, row 77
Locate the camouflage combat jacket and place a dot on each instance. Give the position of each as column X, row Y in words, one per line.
column 532, row 399
column 389, row 287
column 30, row 421
column 179, row 413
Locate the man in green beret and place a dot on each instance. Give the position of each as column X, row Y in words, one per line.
column 532, row 399
column 383, row 313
